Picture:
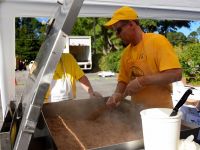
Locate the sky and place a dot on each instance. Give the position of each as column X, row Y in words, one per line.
column 185, row 31
column 41, row 19
column 193, row 27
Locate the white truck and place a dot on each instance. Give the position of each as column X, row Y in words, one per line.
column 80, row 48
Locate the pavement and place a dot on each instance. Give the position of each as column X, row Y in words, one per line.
column 104, row 85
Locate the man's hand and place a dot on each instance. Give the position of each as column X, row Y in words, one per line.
column 95, row 95
column 114, row 100
column 133, row 87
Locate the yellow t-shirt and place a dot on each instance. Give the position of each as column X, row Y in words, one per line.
column 152, row 55
column 67, row 67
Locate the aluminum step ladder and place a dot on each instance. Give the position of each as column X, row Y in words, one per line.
column 28, row 111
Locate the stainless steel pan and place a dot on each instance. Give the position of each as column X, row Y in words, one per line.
column 114, row 126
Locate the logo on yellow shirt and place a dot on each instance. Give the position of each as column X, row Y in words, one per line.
column 136, row 72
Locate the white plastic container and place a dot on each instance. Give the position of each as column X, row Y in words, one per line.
column 160, row 131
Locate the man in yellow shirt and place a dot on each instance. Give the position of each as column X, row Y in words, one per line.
column 148, row 64
column 63, row 85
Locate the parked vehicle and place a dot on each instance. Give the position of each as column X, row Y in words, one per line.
column 106, row 74
column 80, row 48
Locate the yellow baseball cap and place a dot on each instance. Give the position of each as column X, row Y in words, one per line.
column 123, row 13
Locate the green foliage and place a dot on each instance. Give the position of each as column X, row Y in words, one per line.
column 30, row 33
column 149, row 25
column 198, row 31
column 95, row 62
column 162, row 26
column 190, row 61
column 193, row 37
column 111, row 62
column 177, row 38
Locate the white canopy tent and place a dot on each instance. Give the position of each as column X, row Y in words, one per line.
column 10, row 9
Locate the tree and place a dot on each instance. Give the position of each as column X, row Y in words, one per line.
column 193, row 37
column 30, row 33
column 103, row 40
column 190, row 61
column 198, row 31
column 163, row 26
column 149, row 25
column 177, row 38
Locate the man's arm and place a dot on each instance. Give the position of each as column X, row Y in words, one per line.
column 164, row 77
column 88, row 88
column 85, row 83
column 120, row 88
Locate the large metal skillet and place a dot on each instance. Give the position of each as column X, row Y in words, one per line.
column 115, row 129
column 94, row 125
